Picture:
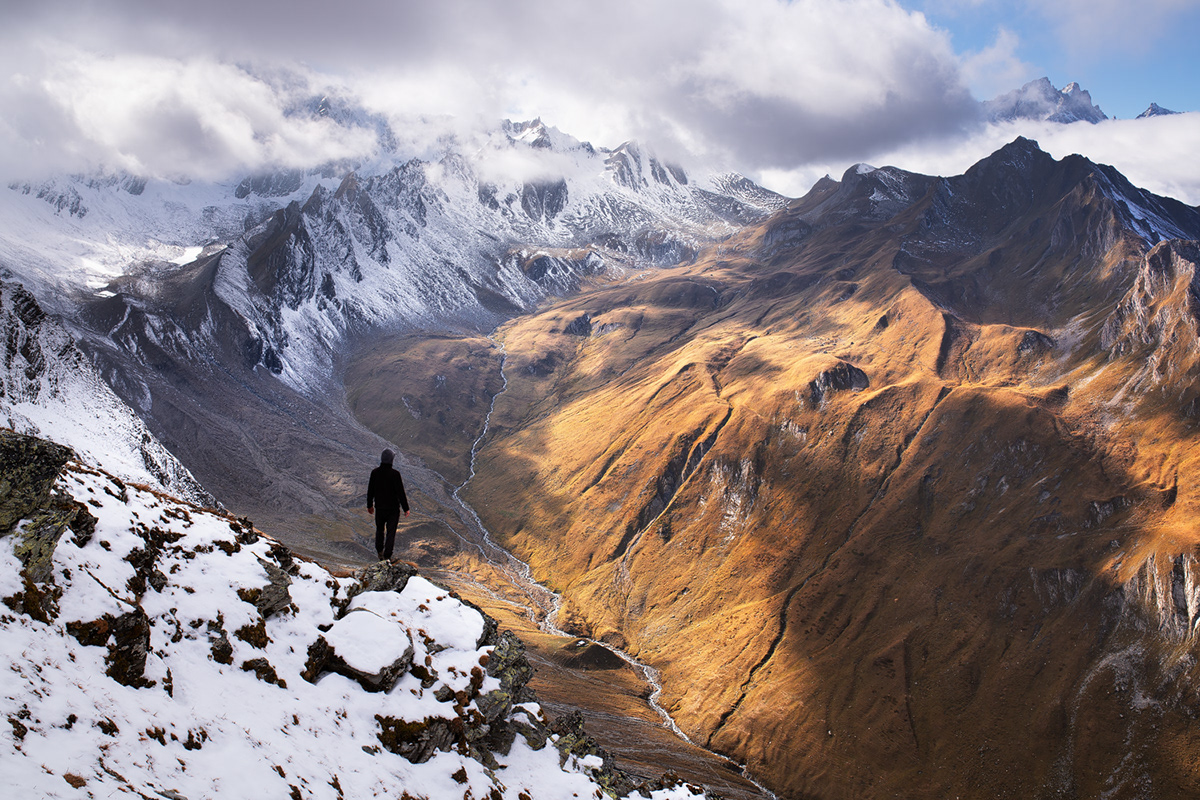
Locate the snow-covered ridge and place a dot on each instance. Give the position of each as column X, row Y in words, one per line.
column 162, row 649
column 86, row 229
column 49, row 388
column 403, row 241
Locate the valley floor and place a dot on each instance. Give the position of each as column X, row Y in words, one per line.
column 611, row 696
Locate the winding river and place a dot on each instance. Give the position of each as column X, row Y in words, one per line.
column 543, row 603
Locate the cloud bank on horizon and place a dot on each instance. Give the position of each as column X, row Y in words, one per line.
column 781, row 91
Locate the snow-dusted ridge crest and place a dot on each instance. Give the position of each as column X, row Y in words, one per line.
column 49, row 388
column 158, row 648
column 403, row 240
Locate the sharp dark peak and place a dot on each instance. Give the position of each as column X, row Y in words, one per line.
column 1007, row 181
column 1020, row 152
column 863, row 195
column 1155, row 110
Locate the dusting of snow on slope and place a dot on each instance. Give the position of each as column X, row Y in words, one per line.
column 79, row 230
column 49, row 388
column 176, row 655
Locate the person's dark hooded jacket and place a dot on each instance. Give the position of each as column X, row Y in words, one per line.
column 385, row 489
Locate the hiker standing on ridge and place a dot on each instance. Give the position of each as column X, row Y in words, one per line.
column 385, row 492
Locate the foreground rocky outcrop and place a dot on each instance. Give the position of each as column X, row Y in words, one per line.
column 165, row 649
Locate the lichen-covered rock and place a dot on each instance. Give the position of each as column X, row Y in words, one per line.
column 39, row 536
column 28, row 469
column 494, row 705
column 418, row 741
column 508, row 663
column 573, row 741
column 36, row 515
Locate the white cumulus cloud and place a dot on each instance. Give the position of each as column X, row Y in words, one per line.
column 153, row 87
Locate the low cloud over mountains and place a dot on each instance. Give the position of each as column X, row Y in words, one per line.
column 781, row 92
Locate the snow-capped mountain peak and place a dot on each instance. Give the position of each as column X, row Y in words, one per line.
column 1155, row 110
column 1039, row 100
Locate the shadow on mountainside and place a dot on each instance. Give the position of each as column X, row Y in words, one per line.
column 931, row 548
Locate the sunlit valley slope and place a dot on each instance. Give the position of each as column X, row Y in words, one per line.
column 895, row 488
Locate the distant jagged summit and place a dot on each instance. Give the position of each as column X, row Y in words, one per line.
column 1155, row 110
column 1039, row 100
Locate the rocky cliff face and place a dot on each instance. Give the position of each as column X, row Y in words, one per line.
column 1157, row 322
column 890, row 488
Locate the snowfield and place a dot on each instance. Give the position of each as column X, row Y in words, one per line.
column 175, row 652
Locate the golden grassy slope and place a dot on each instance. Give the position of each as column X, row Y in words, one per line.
column 939, row 584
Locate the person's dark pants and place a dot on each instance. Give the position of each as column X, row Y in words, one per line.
column 385, row 520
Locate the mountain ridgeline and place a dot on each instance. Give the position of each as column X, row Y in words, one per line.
column 895, row 488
